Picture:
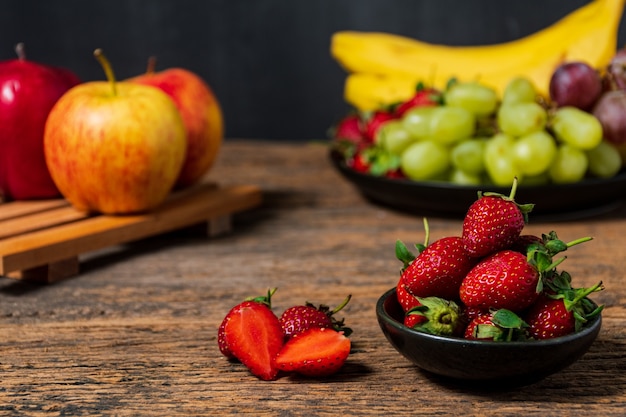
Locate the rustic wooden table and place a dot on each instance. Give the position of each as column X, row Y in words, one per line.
column 135, row 332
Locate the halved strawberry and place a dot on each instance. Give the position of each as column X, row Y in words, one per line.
column 253, row 335
column 317, row 352
column 221, row 337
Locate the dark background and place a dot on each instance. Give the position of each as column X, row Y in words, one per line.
column 268, row 61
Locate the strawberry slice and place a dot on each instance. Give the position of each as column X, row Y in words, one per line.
column 317, row 352
column 254, row 336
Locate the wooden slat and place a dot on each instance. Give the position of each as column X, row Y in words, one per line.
column 67, row 239
column 16, row 209
column 39, row 220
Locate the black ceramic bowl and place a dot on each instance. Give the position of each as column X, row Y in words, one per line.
column 586, row 198
column 494, row 363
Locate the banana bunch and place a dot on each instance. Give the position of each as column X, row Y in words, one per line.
column 384, row 68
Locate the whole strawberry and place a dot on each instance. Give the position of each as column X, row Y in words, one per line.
column 438, row 270
column 493, row 222
column 423, row 97
column 499, row 325
column 300, row 318
column 503, row 280
column 349, row 129
column 374, row 121
column 437, row 316
column 524, row 242
column 561, row 314
column 407, row 300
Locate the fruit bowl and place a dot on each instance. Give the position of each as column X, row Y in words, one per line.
column 587, row 198
column 482, row 362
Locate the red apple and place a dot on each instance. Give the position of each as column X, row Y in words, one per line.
column 201, row 113
column 28, row 90
column 114, row 147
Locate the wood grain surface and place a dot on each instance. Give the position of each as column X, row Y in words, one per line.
column 135, row 332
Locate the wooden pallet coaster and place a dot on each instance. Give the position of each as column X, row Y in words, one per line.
column 42, row 240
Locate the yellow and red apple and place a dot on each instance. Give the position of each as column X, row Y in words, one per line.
column 201, row 114
column 114, row 147
column 28, row 90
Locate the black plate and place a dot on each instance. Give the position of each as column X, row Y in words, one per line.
column 583, row 199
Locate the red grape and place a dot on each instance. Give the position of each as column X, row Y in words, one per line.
column 616, row 71
column 610, row 110
column 575, row 84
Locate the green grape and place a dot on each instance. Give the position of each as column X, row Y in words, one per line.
column 425, row 160
column 474, row 97
column 417, row 122
column 569, row 165
column 467, row 156
column 577, row 128
column 519, row 119
column 519, row 90
column 460, row 177
column 393, row 137
column 534, row 152
column 499, row 162
column 605, row 160
column 449, row 125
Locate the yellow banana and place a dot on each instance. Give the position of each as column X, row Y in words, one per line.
column 368, row 91
column 588, row 33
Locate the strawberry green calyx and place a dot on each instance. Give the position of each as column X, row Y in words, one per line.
column 338, row 325
column 525, row 209
column 443, row 317
column 506, row 327
column 264, row 299
column 405, row 255
column 541, row 256
column 576, row 301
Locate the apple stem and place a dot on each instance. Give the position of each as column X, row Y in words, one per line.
column 20, row 50
column 108, row 71
column 151, row 65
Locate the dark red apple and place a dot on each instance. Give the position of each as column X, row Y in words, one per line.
column 28, row 90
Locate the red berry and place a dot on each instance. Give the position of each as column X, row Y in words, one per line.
column 436, row 316
column 438, row 270
column 502, row 280
column 549, row 318
column 499, row 325
column 561, row 313
column 349, row 128
column 472, row 329
column 297, row 319
column 407, row 300
column 254, row 336
column 423, row 97
column 414, row 320
column 492, row 223
column 317, row 352
column 374, row 122
column 221, row 337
